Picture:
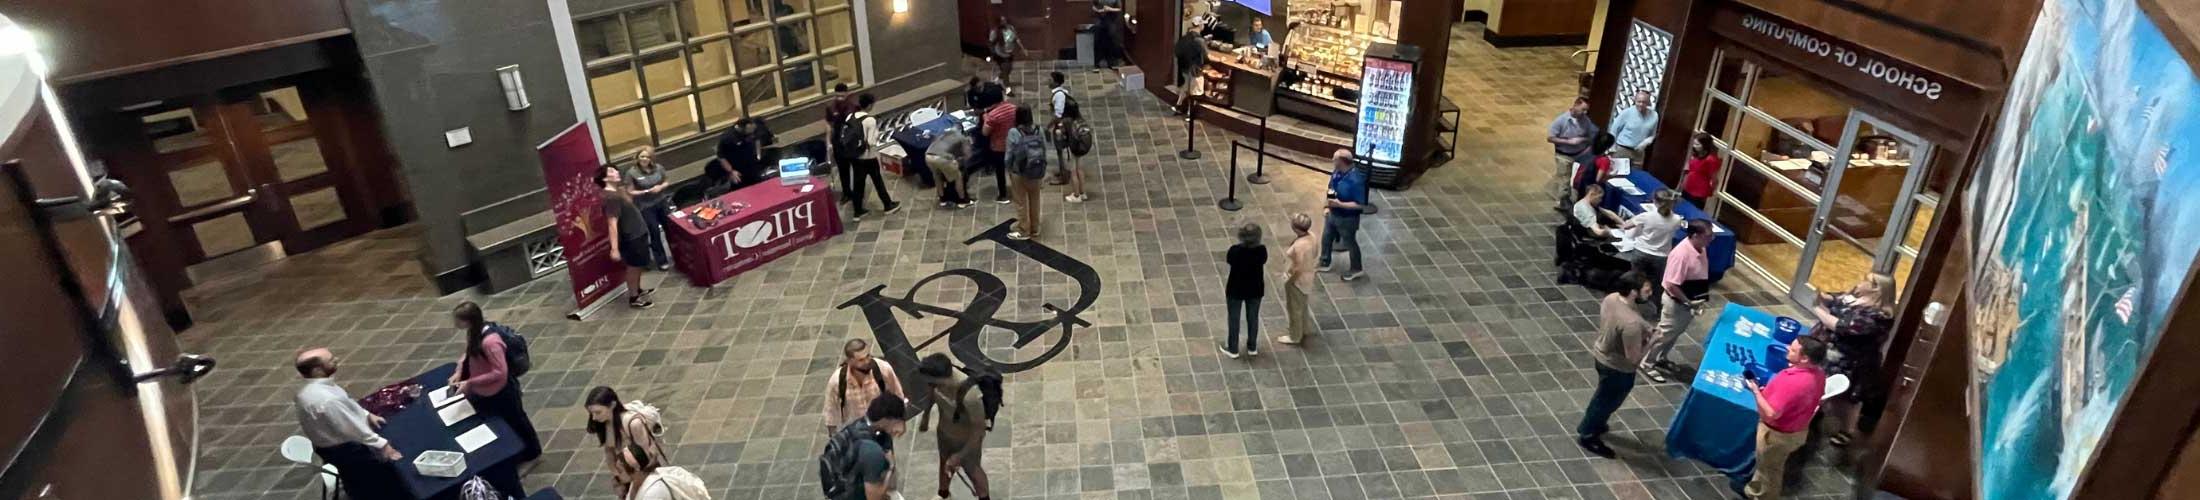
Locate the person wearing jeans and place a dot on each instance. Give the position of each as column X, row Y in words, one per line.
column 1785, row 407
column 1621, row 339
column 647, row 183
column 1347, row 197
column 866, row 161
column 1687, row 285
column 1243, row 290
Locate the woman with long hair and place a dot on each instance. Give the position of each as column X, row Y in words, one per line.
column 1701, row 175
column 486, row 381
column 623, row 221
column 617, row 431
column 1855, row 324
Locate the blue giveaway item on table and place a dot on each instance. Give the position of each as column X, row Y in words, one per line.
column 1717, row 421
column 794, row 171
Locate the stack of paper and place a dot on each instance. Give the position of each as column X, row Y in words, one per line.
column 476, row 438
column 456, row 412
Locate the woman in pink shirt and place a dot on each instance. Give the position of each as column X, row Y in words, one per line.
column 487, row 382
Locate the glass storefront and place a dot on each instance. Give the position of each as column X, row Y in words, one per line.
column 1819, row 193
column 679, row 70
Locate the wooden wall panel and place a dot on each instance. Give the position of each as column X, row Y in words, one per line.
column 1524, row 18
column 87, row 40
column 1976, row 42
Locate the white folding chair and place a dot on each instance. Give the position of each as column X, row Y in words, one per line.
column 298, row 450
column 1835, row 385
column 923, row 115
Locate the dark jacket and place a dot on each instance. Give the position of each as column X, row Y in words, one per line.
column 1246, row 276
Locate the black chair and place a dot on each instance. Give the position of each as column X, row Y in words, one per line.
column 1586, row 259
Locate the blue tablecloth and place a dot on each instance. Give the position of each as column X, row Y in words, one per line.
column 417, row 429
column 1717, row 422
column 1721, row 251
column 916, row 138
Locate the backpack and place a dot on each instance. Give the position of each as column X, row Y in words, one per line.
column 1034, row 147
column 478, row 489
column 652, row 418
column 682, row 484
column 1079, row 137
column 876, row 379
column 848, row 140
column 836, row 468
column 516, row 360
column 988, row 384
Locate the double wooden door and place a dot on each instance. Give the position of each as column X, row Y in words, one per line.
column 241, row 169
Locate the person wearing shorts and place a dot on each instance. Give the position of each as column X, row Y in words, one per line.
column 629, row 236
column 963, row 424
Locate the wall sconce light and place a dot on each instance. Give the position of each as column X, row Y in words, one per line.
column 515, row 88
column 901, row 6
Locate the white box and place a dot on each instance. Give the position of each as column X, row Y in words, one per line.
column 440, row 463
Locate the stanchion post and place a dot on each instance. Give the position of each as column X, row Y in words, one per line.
column 1190, row 152
column 1260, row 163
column 1230, row 203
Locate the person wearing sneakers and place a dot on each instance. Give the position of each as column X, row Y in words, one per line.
column 1243, row 289
column 1072, row 141
column 946, row 157
column 994, row 125
column 629, row 238
column 866, row 158
column 1299, row 281
column 1027, row 161
column 1347, row 197
column 1058, row 100
column 1686, row 287
column 1622, row 336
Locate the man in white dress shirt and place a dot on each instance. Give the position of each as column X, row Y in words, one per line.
column 342, row 432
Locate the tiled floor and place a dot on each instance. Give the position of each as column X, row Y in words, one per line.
column 1455, row 371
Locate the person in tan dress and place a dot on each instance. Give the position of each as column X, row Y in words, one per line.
column 1298, row 278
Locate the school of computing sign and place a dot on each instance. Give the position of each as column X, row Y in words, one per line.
column 1844, row 56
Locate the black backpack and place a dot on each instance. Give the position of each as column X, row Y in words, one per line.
column 1079, row 137
column 516, row 360
column 836, row 468
column 848, row 140
column 1068, row 100
column 988, row 384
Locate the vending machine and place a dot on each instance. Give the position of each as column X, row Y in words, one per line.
column 1386, row 103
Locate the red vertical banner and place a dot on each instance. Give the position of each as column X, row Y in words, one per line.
column 569, row 169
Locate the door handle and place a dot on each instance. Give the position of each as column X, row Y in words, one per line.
column 189, row 367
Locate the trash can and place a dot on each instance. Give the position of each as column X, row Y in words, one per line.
column 1084, row 44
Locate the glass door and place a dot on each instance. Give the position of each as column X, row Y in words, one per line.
column 1867, row 211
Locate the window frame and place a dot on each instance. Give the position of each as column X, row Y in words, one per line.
column 775, row 69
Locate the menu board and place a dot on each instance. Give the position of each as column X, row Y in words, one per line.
column 1386, row 97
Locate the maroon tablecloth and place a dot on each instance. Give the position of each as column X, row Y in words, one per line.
column 776, row 220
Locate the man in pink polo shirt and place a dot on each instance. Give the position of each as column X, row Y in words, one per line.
column 1784, row 409
column 1687, row 285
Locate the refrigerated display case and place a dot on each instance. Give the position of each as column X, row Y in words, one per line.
column 1386, row 103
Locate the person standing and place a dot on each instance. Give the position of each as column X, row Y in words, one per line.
column 838, row 108
column 1784, row 409
column 1347, row 198
column 1059, row 101
column 1650, row 234
column 961, row 437
column 1687, row 286
column 1855, row 324
column 618, row 430
column 859, row 379
column 342, row 432
column 1108, row 33
column 1261, row 40
column 1299, row 281
column 995, row 125
column 1005, row 45
column 1570, row 134
column 946, row 156
column 1244, row 288
column 487, row 381
column 1191, row 55
column 1622, row 336
column 1073, row 140
column 1702, row 174
column 865, row 160
column 1027, row 156
column 1633, row 128
column 646, row 182
column 629, row 238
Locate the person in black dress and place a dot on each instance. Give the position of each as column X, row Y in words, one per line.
column 1243, row 289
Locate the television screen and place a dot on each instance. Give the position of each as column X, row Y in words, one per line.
column 1261, row 6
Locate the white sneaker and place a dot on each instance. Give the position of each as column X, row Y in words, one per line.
column 1069, row 198
column 1226, row 352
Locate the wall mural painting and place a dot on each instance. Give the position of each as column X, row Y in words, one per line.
column 975, row 318
column 2086, row 227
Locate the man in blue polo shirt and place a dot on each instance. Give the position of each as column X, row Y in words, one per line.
column 1347, row 197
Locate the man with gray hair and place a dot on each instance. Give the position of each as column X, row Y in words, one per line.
column 1298, row 278
column 1347, row 198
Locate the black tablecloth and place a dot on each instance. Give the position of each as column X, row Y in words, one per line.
column 417, row 429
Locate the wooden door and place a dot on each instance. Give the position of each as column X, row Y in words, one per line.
column 242, row 168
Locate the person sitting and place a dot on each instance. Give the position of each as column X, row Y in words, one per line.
column 1594, row 165
column 1589, row 214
